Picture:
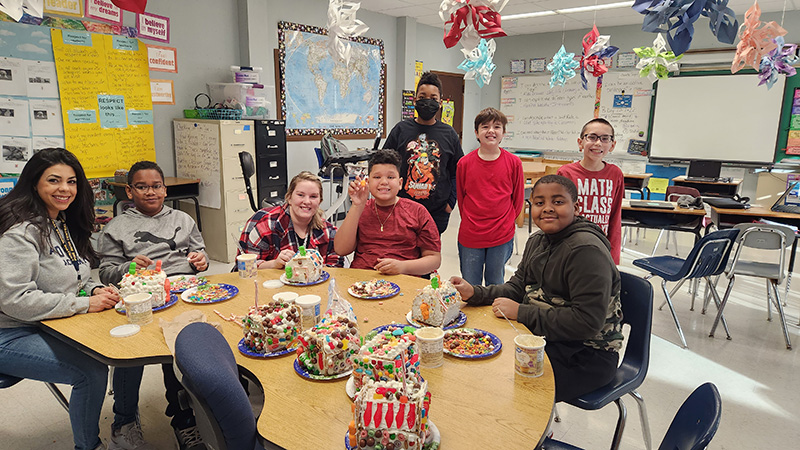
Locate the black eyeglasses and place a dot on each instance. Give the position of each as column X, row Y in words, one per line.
column 143, row 188
column 605, row 138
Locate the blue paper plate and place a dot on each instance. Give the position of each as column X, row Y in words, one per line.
column 245, row 351
column 495, row 342
column 232, row 291
column 303, row 372
column 172, row 300
column 395, row 291
column 458, row 322
column 322, row 278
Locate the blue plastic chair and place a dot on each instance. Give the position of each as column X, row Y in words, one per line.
column 205, row 366
column 636, row 297
column 708, row 258
column 7, row 381
column 692, row 428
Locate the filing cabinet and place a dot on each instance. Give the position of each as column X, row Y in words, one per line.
column 209, row 150
column 271, row 173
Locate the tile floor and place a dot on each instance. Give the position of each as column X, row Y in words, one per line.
column 754, row 372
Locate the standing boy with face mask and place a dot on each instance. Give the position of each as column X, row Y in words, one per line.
column 429, row 151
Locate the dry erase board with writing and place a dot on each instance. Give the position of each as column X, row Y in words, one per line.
column 541, row 118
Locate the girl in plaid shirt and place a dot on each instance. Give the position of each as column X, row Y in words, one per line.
column 275, row 234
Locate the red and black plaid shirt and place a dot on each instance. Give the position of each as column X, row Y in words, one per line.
column 270, row 231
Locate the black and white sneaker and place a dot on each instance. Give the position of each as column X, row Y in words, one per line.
column 190, row 439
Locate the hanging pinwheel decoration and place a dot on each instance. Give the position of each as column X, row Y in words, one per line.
column 656, row 62
column 757, row 39
column 471, row 20
column 478, row 62
column 778, row 61
column 676, row 18
column 595, row 48
column 563, row 67
column 343, row 25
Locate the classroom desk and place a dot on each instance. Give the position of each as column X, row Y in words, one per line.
column 663, row 219
column 177, row 189
column 475, row 403
column 638, row 182
column 710, row 188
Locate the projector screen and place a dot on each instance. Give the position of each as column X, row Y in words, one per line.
column 721, row 117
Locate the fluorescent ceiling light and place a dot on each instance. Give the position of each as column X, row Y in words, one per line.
column 594, row 7
column 529, row 15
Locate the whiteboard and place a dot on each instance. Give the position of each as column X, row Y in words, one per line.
column 197, row 155
column 720, row 117
column 541, row 118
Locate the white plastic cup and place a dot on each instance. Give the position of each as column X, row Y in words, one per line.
column 285, row 297
column 431, row 346
column 529, row 355
column 139, row 309
column 310, row 305
column 246, row 264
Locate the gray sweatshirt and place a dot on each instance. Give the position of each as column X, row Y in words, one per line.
column 38, row 281
column 169, row 236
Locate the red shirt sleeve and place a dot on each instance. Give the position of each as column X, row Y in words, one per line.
column 615, row 219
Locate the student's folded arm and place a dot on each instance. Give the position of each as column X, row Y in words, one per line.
column 345, row 240
column 113, row 262
column 589, row 274
column 425, row 264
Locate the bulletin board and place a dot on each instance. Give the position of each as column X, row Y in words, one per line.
column 104, row 86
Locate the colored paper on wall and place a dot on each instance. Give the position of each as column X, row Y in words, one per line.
column 64, row 7
column 151, row 26
column 104, row 10
column 162, row 59
column 795, row 123
column 658, row 185
column 105, row 143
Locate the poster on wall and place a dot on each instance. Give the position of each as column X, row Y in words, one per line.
column 64, row 7
column 104, row 10
column 151, row 26
column 162, row 59
column 161, row 92
column 320, row 94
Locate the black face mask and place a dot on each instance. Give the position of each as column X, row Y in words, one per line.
column 426, row 108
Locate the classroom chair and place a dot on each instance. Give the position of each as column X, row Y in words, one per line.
column 708, row 258
column 765, row 238
column 636, row 297
column 221, row 406
column 692, row 428
column 672, row 194
column 248, row 170
column 7, row 381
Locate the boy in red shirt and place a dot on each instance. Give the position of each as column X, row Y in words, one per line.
column 601, row 186
column 390, row 234
column 490, row 190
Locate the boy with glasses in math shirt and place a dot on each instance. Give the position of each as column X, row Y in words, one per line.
column 144, row 234
column 601, row 185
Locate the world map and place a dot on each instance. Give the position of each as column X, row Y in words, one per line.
column 322, row 92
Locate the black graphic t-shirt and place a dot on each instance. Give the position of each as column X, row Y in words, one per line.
column 429, row 154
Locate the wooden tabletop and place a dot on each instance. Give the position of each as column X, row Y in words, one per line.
column 638, row 176
column 682, row 179
column 475, row 403
column 626, row 206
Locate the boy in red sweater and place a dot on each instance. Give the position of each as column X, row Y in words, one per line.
column 601, row 185
column 490, row 189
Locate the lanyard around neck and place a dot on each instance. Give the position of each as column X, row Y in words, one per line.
column 66, row 244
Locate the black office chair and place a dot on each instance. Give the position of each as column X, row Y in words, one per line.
column 248, row 170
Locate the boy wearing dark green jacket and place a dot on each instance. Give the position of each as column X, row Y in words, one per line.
column 566, row 289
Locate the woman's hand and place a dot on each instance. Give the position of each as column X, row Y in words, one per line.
column 283, row 257
column 465, row 289
column 504, row 305
column 102, row 300
column 358, row 192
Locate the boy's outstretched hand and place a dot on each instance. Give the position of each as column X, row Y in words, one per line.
column 358, row 192
column 465, row 289
column 198, row 260
column 508, row 307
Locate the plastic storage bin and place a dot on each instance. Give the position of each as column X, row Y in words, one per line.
column 249, row 98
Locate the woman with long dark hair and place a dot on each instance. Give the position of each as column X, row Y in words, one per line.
column 45, row 253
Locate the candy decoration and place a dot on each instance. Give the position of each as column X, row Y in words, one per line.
column 677, row 17
column 342, row 26
column 563, row 67
column 595, row 48
column 757, row 39
column 655, row 62
column 158, row 265
column 132, row 268
column 778, row 61
column 478, row 62
column 471, row 20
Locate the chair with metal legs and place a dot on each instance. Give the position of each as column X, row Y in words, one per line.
column 765, row 238
column 9, row 380
column 707, row 259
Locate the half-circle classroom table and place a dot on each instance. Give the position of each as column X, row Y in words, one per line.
column 479, row 403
